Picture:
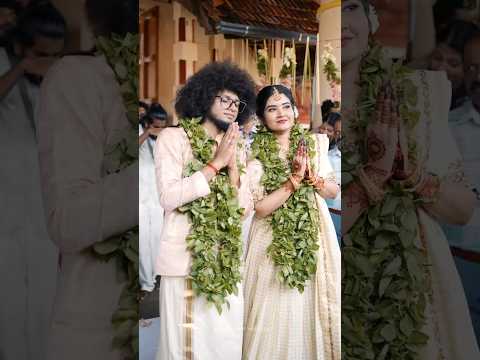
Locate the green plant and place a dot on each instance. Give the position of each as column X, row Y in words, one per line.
column 121, row 54
column 215, row 238
column 295, row 224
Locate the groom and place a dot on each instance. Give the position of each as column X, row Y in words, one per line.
column 214, row 102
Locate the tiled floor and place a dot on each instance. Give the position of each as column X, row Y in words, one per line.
column 149, row 332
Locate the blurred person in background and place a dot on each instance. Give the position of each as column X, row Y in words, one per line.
column 326, row 108
column 8, row 18
column 152, row 123
column 464, row 124
column 448, row 56
column 88, row 196
column 29, row 259
column 150, row 212
column 335, row 157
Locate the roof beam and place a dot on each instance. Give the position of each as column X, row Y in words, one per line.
column 217, row 3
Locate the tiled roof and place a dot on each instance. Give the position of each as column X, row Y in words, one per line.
column 291, row 15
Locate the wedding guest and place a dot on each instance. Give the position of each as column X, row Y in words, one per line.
column 149, row 210
column 28, row 258
column 448, row 57
column 88, row 198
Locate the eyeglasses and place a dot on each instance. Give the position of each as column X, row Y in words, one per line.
column 227, row 103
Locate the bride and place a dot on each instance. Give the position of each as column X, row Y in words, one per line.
column 292, row 279
column 402, row 297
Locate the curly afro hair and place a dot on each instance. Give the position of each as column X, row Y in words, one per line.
column 197, row 96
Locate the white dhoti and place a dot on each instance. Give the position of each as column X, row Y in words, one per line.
column 191, row 328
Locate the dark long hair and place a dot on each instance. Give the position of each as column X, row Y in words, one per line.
column 40, row 20
column 457, row 34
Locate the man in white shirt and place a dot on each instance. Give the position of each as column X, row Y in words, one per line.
column 28, row 258
column 465, row 127
column 150, row 211
column 335, row 157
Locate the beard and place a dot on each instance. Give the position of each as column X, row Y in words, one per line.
column 219, row 123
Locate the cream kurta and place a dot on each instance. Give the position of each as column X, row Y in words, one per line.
column 189, row 327
column 172, row 154
column 282, row 323
column 28, row 259
column 81, row 113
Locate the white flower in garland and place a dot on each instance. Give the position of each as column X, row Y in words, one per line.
column 289, row 58
column 329, row 62
column 263, row 54
column 327, row 54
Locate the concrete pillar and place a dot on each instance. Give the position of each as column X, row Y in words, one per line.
column 187, row 50
column 329, row 31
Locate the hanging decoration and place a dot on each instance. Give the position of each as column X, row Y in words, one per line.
column 262, row 59
column 294, row 69
column 288, row 62
column 331, row 70
column 317, row 72
column 307, row 70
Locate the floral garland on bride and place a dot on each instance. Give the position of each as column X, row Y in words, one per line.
column 121, row 54
column 384, row 269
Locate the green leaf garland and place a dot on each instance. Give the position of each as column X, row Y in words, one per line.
column 295, row 224
column 121, row 54
column 385, row 283
column 215, row 238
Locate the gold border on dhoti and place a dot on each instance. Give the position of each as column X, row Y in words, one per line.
column 188, row 321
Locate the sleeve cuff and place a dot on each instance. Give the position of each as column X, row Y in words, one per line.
column 200, row 185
